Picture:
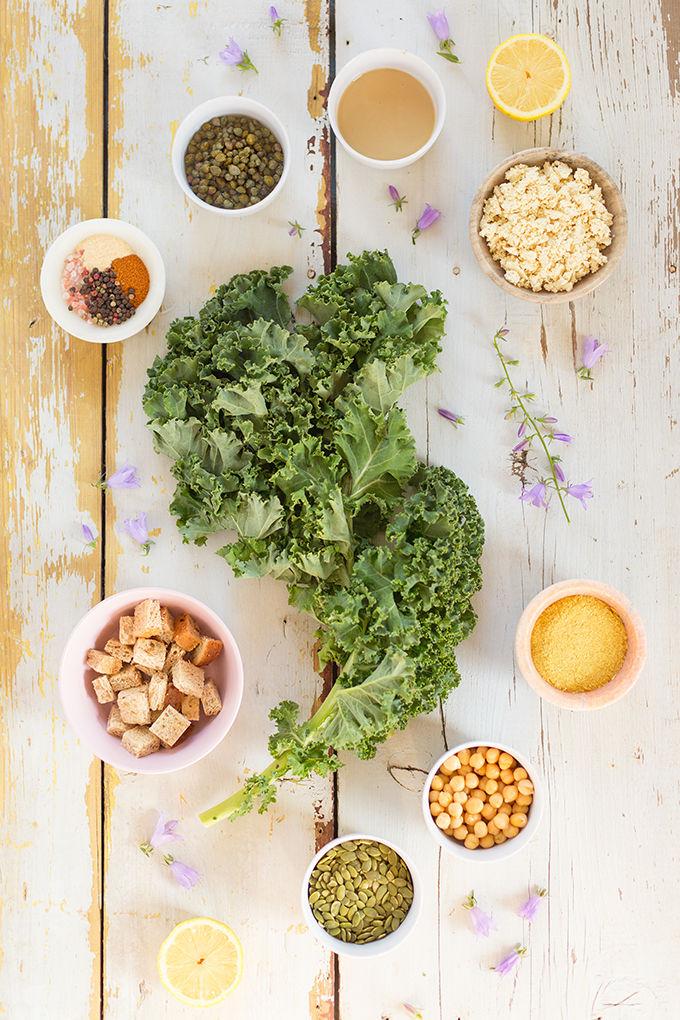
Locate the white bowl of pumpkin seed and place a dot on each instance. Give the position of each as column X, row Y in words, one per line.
column 361, row 895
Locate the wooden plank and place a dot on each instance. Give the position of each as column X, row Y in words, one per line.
column 50, row 431
column 251, row 869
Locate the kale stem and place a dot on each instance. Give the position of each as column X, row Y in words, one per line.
column 515, row 396
column 275, row 770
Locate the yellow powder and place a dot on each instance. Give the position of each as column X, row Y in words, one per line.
column 578, row 643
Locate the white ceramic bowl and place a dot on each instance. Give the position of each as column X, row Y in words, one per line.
column 398, row 60
column 501, row 851
column 221, row 107
column 368, row 949
column 631, row 668
column 53, row 268
column 88, row 718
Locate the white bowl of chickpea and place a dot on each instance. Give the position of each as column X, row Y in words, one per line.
column 482, row 801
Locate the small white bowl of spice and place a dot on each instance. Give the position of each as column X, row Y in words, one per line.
column 103, row 280
column 580, row 644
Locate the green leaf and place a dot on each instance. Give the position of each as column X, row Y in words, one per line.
column 378, row 451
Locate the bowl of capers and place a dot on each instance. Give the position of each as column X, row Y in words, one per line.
column 231, row 156
column 361, row 896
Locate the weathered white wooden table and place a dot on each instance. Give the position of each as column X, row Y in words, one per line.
column 92, row 95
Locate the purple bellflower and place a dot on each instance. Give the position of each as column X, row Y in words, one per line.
column 136, row 527
column 185, row 875
column 535, row 496
column 481, row 922
column 234, row 55
column 429, row 217
column 455, row 419
column 295, row 228
column 529, row 909
column 277, row 22
column 124, row 478
column 440, row 24
column 90, row 537
column 163, row 833
column 581, row 492
column 592, row 352
column 506, row 965
column 397, row 200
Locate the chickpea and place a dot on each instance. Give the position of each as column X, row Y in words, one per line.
column 455, row 810
column 437, row 783
column 435, row 808
column 461, row 832
column 464, row 769
column 460, row 797
column 457, row 783
column 510, row 794
column 474, row 805
column 488, row 812
column 501, row 821
column 445, row 799
column 477, row 760
column 507, row 777
column 433, row 795
column 464, row 756
column 511, row 831
column 486, row 841
column 480, row 829
column 495, row 800
column 482, row 750
column 493, row 829
column 490, row 786
column 505, row 809
column 452, row 763
column 470, row 818
column 471, row 781
column 443, row 771
column 519, row 820
column 525, row 786
column 480, row 793
column 492, row 755
column 524, row 799
column 492, row 771
column 500, row 838
column 471, row 841
column 481, row 771
column 505, row 760
column 443, row 820
column 519, row 773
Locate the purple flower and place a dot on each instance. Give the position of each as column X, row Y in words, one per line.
column 592, row 352
column 521, row 446
column 277, row 22
column 397, row 200
column 522, row 429
column 412, row 1011
column 529, row 910
column 506, row 965
column 581, row 492
column 482, row 924
column 559, row 473
column 440, row 24
column 124, row 478
column 429, row 217
column 234, row 55
column 90, row 537
column 136, row 526
column 535, row 496
column 185, row 875
column 455, row 419
column 545, row 418
column 295, row 228
column 163, row 833
column 562, row 436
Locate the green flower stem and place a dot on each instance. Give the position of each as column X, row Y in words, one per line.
column 275, row 770
column 515, row 396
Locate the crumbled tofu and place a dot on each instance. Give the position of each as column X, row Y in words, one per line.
column 149, row 655
column 188, row 678
column 547, row 226
column 170, row 726
column 140, row 741
column 102, row 663
column 134, row 706
column 103, row 689
column 210, row 699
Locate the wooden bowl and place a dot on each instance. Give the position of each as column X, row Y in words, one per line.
column 632, row 664
column 612, row 199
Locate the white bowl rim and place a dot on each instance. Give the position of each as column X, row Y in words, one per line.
column 416, row 66
column 169, row 759
column 501, row 851
column 66, row 244
column 368, row 949
column 239, row 105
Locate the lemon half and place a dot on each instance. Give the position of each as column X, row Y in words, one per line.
column 201, row 961
column 528, row 76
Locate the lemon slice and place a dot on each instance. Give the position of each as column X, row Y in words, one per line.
column 528, row 76
column 201, row 961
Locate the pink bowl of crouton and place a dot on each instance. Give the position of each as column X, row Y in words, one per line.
column 151, row 680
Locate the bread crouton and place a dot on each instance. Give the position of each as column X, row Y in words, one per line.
column 134, row 706
column 188, row 678
column 149, row 655
column 158, row 686
column 191, row 707
column 114, row 724
column 175, row 654
column 210, row 699
column 128, row 676
column 119, row 651
column 167, row 631
column 126, row 630
column 173, row 697
column 187, row 634
column 147, row 619
column 169, row 726
column 102, row 663
column 205, row 651
column 103, row 690
column 140, row 741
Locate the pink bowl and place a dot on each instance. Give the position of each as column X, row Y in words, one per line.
column 632, row 664
column 88, row 718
